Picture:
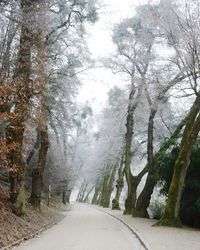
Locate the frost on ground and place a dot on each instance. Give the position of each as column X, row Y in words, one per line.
column 14, row 228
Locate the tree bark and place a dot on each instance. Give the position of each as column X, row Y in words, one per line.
column 192, row 128
column 144, row 198
column 87, row 195
column 16, row 128
column 119, row 185
column 68, row 195
column 96, row 195
column 133, row 103
column 64, row 197
column 82, row 191
column 37, row 174
column 104, row 190
column 109, row 187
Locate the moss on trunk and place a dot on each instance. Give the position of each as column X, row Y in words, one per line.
column 17, row 192
column 131, row 197
column 144, row 198
column 192, row 128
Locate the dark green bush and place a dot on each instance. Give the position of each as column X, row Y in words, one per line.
column 190, row 203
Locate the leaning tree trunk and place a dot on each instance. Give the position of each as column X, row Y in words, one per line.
column 100, row 191
column 87, row 195
column 82, row 191
column 17, row 125
column 109, row 187
column 144, row 198
column 96, row 195
column 192, row 128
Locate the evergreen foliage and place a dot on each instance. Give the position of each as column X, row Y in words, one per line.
column 190, row 203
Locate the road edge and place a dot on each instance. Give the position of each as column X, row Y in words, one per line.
column 135, row 232
column 34, row 234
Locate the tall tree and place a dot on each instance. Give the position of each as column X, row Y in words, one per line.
column 192, row 128
column 17, row 125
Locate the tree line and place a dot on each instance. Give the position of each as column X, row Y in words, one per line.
column 155, row 111
column 42, row 49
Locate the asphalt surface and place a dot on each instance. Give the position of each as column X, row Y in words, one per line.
column 85, row 228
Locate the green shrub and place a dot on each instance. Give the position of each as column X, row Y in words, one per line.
column 190, row 202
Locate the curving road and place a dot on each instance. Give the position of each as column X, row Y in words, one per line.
column 85, row 228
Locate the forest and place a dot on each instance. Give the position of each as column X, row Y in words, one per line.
column 139, row 151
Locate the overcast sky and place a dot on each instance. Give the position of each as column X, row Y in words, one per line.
column 97, row 82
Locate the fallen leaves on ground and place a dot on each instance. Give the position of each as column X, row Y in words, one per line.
column 14, row 228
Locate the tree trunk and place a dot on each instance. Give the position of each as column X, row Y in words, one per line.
column 119, row 185
column 109, row 187
column 104, row 190
column 192, row 128
column 64, row 197
column 100, row 192
column 16, row 128
column 87, row 195
column 17, row 192
column 49, row 195
column 144, row 198
column 82, row 191
column 95, row 196
column 34, row 150
column 37, row 174
column 68, row 195
column 131, row 196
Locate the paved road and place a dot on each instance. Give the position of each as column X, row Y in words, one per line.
column 85, row 228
